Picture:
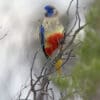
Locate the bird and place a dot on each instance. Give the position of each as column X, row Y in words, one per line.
column 51, row 31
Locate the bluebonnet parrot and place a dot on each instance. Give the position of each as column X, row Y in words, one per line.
column 51, row 32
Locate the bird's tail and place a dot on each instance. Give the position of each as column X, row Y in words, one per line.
column 58, row 66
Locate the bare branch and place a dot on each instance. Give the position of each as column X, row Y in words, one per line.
column 3, row 36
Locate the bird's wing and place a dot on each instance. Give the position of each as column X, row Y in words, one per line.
column 41, row 33
column 42, row 38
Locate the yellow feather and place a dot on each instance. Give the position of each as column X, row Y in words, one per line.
column 58, row 65
column 59, row 29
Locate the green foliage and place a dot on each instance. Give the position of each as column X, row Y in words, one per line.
column 86, row 78
column 60, row 81
column 93, row 16
column 90, row 48
column 85, row 75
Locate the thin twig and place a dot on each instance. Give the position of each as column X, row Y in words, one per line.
column 3, row 36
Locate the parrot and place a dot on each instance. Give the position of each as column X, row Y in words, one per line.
column 51, row 31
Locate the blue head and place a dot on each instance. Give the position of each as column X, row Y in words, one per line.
column 49, row 10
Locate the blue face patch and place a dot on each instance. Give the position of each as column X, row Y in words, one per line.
column 49, row 10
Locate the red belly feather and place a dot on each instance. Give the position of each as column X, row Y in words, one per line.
column 52, row 42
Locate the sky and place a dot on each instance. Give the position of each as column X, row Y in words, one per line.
column 19, row 19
